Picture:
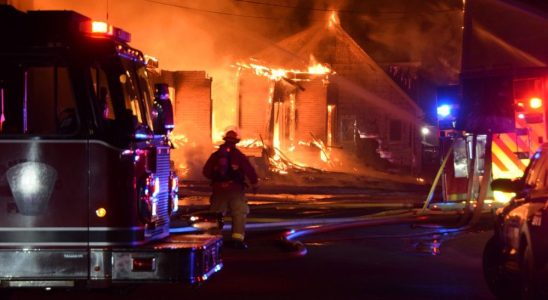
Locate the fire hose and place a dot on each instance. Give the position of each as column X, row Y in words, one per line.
column 292, row 247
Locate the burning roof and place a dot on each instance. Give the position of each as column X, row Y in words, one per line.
column 329, row 44
column 344, row 96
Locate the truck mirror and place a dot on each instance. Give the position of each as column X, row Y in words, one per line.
column 138, row 132
column 163, row 110
column 169, row 123
column 507, row 185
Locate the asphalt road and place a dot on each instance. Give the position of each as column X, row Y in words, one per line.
column 385, row 261
column 379, row 262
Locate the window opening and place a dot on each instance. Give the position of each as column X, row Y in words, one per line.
column 102, row 93
column 130, row 95
column 37, row 99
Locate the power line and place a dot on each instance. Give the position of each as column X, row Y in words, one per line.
column 278, row 5
column 289, row 6
column 225, row 13
column 343, row 10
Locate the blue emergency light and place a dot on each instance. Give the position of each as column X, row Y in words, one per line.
column 444, row 111
column 448, row 99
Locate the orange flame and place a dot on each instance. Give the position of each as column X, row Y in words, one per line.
column 279, row 162
column 318, row 69
column 279, row 73
column 333, row 19
column 178, row 140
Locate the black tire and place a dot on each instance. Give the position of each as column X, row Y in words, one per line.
column 502, row 283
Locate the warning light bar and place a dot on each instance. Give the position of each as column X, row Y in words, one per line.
column 535, row 103
column 447, row 116
column 444, row 111
column 100, row 29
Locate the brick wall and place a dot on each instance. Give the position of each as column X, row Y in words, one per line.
column 192, row 112
column 193, row 104
column 254, row 106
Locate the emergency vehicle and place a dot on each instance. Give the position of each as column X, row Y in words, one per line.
column 493, row 121
column 506, row 104
column 86, row 190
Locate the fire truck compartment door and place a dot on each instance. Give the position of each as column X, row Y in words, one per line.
column 179, row 258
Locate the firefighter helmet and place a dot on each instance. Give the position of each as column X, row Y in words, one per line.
column 232, row 136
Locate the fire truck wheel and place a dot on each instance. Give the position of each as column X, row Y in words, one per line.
column 502, row 283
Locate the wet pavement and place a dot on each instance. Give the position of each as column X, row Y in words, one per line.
column 370, row 244
column 395, row 261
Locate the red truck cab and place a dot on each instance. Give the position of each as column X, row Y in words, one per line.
column 86, row 190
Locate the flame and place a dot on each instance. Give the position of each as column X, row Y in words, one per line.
column 276, row 136
column 251, row 143
column 279, row 162
column 277, row 165
column 183, row 169
column 323, row 156
column 318, row 69
column 178, row 140
column 333, row 19
column 314, row 68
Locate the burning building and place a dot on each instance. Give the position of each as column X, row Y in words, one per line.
column 345, row 102
column 190, row 92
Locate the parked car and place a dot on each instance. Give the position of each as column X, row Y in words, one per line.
column 515, row 259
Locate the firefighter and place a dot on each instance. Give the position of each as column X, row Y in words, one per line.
column 227, row 169
column 163, row 114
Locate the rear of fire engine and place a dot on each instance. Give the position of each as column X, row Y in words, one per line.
column 86, row 191
column 506, row 105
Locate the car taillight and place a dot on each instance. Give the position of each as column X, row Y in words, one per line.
column 148, row 198
column 173, row 188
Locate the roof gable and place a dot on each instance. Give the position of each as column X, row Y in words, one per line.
column 329, row 44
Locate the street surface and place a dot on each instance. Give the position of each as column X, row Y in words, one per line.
column 383, row 260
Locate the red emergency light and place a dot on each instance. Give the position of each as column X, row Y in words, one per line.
column 535, row 103
column 99, row 29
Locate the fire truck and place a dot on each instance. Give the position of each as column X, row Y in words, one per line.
column 86, row 190
column 494, row 120
column 496, row 117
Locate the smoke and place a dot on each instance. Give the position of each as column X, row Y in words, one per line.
column 427, row 32
column 213, row 35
